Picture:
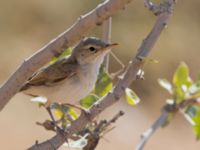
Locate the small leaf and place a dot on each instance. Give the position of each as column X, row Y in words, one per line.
column 89, row 100
column 79, row 144
column 40, row 100
column 194, row 113
column 58, row 113
column 166, row 85
column 73, row 113
column 153, row 61
column 55, row 106
column 131, row 97
column 182, row 82
column 179, row 94
column 59, row 110
column 64, row 54
column 103, row 84
column 181, row 76
column 195, row 88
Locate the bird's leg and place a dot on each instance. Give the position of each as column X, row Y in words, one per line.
column 83, row 110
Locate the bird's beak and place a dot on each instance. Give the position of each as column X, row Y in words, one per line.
column 110, row 46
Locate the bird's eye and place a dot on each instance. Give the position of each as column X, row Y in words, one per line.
column 92, row 49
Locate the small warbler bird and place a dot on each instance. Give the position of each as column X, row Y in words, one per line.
column 72, row 78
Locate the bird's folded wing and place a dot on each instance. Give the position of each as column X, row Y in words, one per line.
column 52, row 74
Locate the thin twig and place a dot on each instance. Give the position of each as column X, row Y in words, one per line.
column 107, row 31
column 95, row 135
column 149, row 132
column 116, row 93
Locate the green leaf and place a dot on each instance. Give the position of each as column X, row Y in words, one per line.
column 196, row 127
column 182, row 82
column 58, row 113
column 166, row 85
column 194, row 113
column 64, row 54
column 180, row 94
column 73, row 113
column 131, row 97
column 89, row 100
column 103, row 84
column 58, row 110
column 195, row 88
column 181, row 76
column 153, row 61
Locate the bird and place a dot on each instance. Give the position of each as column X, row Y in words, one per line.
column 71, row 78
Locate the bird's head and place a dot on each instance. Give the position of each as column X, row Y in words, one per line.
column 91, row 50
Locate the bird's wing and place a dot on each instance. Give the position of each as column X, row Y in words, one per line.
column 52, row 74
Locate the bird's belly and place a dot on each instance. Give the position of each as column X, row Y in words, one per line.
column 72, row 91
column 68, row 91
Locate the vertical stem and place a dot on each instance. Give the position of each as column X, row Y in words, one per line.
column 107, row 27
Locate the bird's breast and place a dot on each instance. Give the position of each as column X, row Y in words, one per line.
column 79, row 85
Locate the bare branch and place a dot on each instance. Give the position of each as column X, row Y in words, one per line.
column 149, row 132
column 114, row 96
column 57, row 46
column 95, row 135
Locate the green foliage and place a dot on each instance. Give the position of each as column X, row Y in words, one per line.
column 131, row 97
column 60, row 111
column 182, row 82
column 103, row 84
column 89, row 100
column 182, row 89
column 153, row 61
column 64, row 54
column 181, row 76
column 102, row 87
column 166, row 85
column 194, row 113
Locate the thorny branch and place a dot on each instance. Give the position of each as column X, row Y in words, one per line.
column 129, row 76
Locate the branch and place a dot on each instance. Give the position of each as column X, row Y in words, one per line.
column 114, row 96
column 163, row 118
column 149, row 132
column 55, row 47
column 107, row 29
column 95, row 135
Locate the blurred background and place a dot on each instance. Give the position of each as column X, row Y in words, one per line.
column 26, row 26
